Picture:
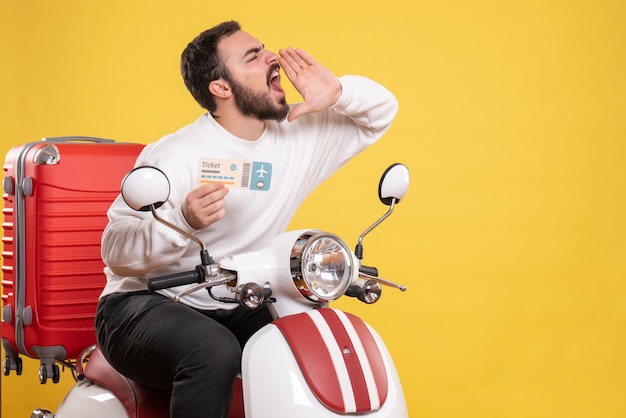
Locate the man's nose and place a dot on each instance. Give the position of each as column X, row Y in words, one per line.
column 271, row 57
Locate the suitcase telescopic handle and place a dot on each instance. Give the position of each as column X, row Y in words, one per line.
column 78, row 139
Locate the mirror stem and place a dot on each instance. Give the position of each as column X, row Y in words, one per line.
column 359, row 247
column 204, row 254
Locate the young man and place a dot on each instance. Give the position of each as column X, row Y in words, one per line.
column 194, row 347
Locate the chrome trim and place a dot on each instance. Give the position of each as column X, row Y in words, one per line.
column 47, row 155
column 299, row 247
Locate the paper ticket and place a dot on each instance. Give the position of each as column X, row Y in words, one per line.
column 249, row 175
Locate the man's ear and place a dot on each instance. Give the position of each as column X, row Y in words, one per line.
column 220, row 88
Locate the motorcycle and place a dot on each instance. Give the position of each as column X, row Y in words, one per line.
column 311, row 361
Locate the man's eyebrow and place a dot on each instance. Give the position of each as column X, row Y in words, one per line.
column 252, row 51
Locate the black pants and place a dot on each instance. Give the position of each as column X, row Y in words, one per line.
column 167, row 345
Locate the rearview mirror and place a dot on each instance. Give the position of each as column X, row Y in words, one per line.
column 394, row 183
column 145, row 187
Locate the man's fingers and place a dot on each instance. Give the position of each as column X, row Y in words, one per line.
column 206, row 189
column 205, row 205
column 295, row 60
column 303, row 58
column 296, row 57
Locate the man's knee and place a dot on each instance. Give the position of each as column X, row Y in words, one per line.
column 215, row 355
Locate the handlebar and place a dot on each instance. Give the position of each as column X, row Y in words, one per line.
column 367, row 272
column 176, row 279
column 370, row 271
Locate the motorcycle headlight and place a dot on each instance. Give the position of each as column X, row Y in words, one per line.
column 321, row 266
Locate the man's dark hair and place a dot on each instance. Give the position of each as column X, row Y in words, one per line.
column 200, row 63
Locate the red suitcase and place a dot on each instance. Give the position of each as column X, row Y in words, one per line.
column 56, row 195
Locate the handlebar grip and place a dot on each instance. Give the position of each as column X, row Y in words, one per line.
column 372, row 271
column 176, row 279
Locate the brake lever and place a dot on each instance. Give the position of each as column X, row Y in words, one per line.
column 383, row 281
column 226, row 278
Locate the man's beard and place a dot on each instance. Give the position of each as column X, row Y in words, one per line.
column 252, row 103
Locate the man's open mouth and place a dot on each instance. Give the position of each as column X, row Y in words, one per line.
column 273, row 78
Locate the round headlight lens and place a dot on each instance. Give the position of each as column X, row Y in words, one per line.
column 325, row 268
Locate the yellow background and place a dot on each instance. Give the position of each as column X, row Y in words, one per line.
column 512, row 239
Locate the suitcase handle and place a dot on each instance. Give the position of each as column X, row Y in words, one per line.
column 78, row 139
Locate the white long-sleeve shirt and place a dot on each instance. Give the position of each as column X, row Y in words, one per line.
column 292, row 159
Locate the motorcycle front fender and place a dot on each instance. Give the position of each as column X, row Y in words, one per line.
column 88, row 399
column 268, row 357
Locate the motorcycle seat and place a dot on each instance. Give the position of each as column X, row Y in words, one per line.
column 140, row 401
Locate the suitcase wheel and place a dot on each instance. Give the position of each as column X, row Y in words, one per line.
column 7, row 365
column 43, row 373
